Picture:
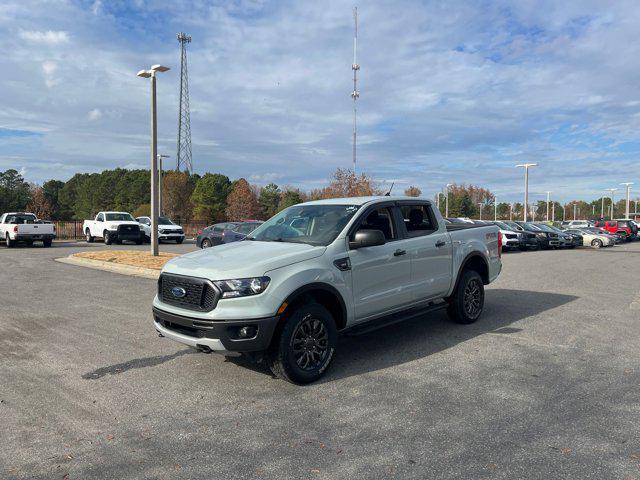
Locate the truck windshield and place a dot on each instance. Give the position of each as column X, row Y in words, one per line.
column 119, row 217
column 310, row 224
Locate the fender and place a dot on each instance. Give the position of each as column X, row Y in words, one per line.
column 464, row 263
column 297, row 293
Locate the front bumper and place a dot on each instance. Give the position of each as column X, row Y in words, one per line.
column 219, row 335
column 171, row 236
column 118, row 235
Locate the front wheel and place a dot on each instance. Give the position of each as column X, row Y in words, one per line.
column 47, row 243
column 467, row 302
column 306, row 345
column 179, row 240
column 206, row 243
column 596, row 243
column 107, row 238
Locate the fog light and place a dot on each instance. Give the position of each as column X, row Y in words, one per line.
column 247, row 332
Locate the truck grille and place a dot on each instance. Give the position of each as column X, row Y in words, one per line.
column 128, row 229
column 192, row 293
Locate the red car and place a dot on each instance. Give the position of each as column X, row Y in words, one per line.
column 624, row 227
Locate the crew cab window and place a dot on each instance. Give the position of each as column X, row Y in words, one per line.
column 100, row 218
column 380, row 219
column 418, row 220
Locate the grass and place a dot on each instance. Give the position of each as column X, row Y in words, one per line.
column 132, row 258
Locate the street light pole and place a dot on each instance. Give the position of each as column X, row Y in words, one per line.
column 612, row 190
column 446, row 201
column 574, row 210
column 628, row 185
column 548, row 194
column 495, row 208
column 160, row 157
column 480, row 209
column 151, row 73
column 526, row 185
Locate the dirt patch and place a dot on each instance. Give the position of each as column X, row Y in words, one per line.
column 129, row 257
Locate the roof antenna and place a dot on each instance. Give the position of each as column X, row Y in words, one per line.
column 388, row 194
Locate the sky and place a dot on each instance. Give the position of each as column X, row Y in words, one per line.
column 450, row 92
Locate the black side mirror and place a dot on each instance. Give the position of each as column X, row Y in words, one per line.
column 367, row 238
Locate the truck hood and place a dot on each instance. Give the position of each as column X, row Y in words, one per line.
column 241, row 259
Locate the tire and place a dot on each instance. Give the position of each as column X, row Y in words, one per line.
column 47, row 243
column 206, row 243
column 467, row 302
column 596, row 243
column 119, row 242
column 107, row 238
column 10, row 243
column 139, row 242
column 312, row 328
column 179, row 241
column 90, row 239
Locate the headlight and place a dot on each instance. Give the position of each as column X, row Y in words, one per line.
column 112, row 226
column 242, row 287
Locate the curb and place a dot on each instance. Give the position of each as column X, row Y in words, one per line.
column 111, row 267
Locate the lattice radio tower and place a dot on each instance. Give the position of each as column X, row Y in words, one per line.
column 183, row 157
column 355, row 94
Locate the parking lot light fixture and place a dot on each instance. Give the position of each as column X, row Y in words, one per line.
column 612, row 190
column 574, row 210
column 151, row 74
column 628, row 185
column 481, row 204
column 446, row 200
column 548, row 196
column 526, row 167
column 495, row 208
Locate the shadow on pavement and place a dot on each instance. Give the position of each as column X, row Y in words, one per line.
column 135, row 363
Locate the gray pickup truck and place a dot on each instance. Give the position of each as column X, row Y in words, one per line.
column 323, row 267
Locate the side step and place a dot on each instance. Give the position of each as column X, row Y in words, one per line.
column 394, row 318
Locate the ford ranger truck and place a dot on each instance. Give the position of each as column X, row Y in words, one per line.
column 320, row 268
column 25, row 227
column 113, row 227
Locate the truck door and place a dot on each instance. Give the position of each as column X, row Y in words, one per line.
column 430, row 249
column 380, row 274
column 97, row 229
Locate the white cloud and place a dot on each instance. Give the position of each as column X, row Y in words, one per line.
column 96, row 8
column 94, row 114
column 49, row 68
column 48, row 37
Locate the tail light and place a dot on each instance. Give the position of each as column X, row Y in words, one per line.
column 499, row 245
column 15, row 229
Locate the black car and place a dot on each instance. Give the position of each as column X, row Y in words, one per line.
column 240, row 231
column 576, row 239
column 545, row 239
column 529, row 240
column 212, row 235
column 565, row 239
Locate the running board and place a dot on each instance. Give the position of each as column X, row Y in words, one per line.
column 394, row 318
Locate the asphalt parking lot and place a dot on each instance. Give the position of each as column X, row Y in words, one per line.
column 545, row 386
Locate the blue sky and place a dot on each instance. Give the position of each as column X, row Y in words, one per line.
column 450, row 91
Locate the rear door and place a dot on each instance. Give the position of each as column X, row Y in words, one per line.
column 430, row 249
column 380, row 275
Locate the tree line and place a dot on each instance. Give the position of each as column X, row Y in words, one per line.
column 213, row 197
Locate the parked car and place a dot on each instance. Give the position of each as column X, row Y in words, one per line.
column 578, row 224
column 529, row 240
column 167, row 230
column 284, row 293
column 565, row 240
column 240, row 231
column 572, row 239
column 510, row 238
column 27, row 228
column 212, row 235
column 113, row 227
column 545, row 239
column 626, row 228
column 592, row 239
column 615, row 237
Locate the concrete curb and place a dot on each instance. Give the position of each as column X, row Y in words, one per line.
column 111, row 267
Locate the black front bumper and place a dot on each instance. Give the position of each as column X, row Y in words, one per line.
column 224, row 330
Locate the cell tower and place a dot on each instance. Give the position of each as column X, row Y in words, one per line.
column 355, row 94
column 183, row 157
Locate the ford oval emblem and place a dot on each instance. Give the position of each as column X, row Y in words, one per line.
column 178, row 292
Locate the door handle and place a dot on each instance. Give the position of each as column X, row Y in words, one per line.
column 399, row 252
column 440, row 243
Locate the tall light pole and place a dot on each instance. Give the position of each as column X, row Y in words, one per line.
column 548, row 196
column 160, row 157
column 151, row 73
column 593, row 210
column 574, row 210
column 628, row 185
column 612, row 190
column 511, row 212
column 495, row 208
column 446, row 201
column 602, row 209
column 526, row 185
column 480, row 203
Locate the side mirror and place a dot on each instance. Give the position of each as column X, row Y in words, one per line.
column 367, row 238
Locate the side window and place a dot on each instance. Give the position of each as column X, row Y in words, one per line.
column 218, row 228
column 100, row 218
column 418, row 220
column 380, row 219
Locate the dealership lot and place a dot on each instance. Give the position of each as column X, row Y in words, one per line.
column 545, row 385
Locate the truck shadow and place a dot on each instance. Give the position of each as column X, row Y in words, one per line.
column 424, row 336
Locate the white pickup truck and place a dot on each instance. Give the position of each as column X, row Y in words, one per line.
column 25, row 227
column 113, row 227
column 349, row 264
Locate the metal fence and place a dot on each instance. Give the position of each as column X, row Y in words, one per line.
column 72, row 229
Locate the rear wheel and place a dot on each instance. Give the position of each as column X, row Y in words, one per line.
column 306, row 345
column 467, row 302
column 10, row 243
column 596, row 243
